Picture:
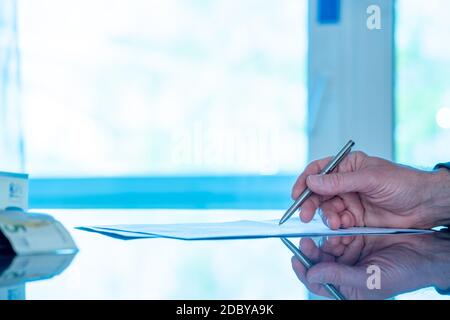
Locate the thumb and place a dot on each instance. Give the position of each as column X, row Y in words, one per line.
column 336, row 183
column 337, row 274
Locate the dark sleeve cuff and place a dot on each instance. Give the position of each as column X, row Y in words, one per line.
column 442, row 166
column 443, row 292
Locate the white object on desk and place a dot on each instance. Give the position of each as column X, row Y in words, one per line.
column 13, row 191
column 34, row 233
column 236, row 230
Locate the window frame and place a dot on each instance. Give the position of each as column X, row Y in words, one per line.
column 164, row 192
column 349, row 95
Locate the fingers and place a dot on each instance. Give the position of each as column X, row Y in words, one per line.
column 332, row 264
column 334, row 246
column 354, row 206
column 313, row 252
column 337, row 274
column 300, row 272
column 350, row 164
column 309, row 249
column 313, row 168
column 331, row 213
column 353, row 251
column 337, row 183
column 336, row 215
column 309, row 208
column 347, row 220
column 344, row 180
column 344, row 211
column 347, row 249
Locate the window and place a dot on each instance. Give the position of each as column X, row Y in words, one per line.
column 176, row 87
column 126, row 102
column 423, row 82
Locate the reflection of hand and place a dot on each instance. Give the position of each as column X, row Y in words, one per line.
column 406, row 263
column 368, row 191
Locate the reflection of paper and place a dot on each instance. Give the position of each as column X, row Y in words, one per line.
column 234, row 230
column 16, row 270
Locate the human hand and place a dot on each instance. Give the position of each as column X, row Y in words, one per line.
column 373, row 192
column 406, row 263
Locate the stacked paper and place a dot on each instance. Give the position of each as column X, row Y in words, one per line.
column 234, row 230
column 26, row 233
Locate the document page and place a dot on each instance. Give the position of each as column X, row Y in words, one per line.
column 235, row 230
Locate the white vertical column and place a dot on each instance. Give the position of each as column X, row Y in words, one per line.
column 351, row 80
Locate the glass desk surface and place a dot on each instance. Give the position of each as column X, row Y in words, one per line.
column 108, row 268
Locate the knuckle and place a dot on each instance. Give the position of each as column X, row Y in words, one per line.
column 359, row 158
column 336, row 181
column 294, row 193
column 360, row 154
column 337, row 276
column 313, row 167
column 332, row 274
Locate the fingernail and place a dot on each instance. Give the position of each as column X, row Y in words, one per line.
column 315, row 179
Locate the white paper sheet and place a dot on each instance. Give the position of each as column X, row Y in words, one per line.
column 235, row 230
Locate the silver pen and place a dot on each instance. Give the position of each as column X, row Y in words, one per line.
column 308, row 264
column 307, row 192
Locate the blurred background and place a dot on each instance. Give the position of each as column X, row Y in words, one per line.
column 104, row 89
column 154, row 89
column 163, row 87
column 195, row 103
column 422, row 134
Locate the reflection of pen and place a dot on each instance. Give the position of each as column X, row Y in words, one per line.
column 308, row 264
column 328, row 169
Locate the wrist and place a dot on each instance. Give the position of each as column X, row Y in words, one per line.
column 439, row 195
column 439, row 261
